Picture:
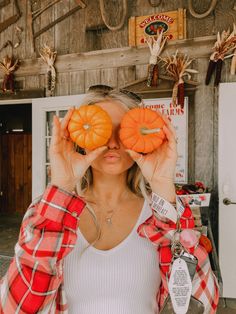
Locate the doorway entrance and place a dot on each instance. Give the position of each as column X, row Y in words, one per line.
column 15, row 158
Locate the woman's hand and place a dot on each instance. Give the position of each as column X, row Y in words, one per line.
column 67, row 165
column 159, row 166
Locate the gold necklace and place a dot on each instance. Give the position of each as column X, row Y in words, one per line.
column 109, row 216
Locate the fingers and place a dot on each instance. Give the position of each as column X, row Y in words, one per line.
column 66, row 119
column 56, row 132
column 169, row 130
column 91, row 156
column 138, row 158
column 65, row 122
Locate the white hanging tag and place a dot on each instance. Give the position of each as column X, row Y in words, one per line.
column 163, row 208
column 180, row 286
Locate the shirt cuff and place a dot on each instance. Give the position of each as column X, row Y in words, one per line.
column 61, row 206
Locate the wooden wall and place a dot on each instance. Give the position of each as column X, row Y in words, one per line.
column 79, row 65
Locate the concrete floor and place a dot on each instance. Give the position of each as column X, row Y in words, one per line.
column 9, row 230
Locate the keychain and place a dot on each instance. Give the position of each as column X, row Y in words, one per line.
column 183, row 268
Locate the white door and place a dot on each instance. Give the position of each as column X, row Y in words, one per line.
column 227, row 187
column 43, row 110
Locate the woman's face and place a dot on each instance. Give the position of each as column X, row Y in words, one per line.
column 115, row 160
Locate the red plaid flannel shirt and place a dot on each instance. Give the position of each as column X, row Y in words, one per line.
column 34, row 280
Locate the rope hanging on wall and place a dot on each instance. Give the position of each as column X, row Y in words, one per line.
column 201, row 15
column 120, row 25
column 154, row 3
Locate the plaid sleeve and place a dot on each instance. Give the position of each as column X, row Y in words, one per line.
column 47, row 235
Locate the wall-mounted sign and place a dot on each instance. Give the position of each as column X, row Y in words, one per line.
column 173, row 24
column 179, row 118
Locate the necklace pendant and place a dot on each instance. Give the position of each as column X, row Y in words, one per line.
column 108, row 221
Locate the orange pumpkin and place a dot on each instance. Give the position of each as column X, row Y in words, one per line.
column 141, row 130
column 90, row 126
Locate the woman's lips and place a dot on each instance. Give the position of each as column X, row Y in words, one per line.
column 111, row 157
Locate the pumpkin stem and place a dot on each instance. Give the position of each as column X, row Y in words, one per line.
column 146, row 131
column 86, row 126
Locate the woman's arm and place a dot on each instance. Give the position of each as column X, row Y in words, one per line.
column 47, row 235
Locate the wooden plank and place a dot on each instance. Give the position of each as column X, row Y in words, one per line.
column 109, row 77
column 35, row 5
column 20, row 51
column 1, row 171
column 204, row 128
column 197, row 48
column 46, row 18
column 29, row 31
column 92, row 77
column 29, row 168
column 11, row 195
column 23, row 94
column 62, row 84
column 62, row 29
column 78, row 36
column 93, row 16
column 18, row 140
column 77, row 82
column 125, row 75
column 132, row 31
column 6, row 12
column 32, row 82
column 25, row 172
column 141, row 71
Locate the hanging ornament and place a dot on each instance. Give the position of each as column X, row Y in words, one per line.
column 225, row 43
column 49, row 57
column 8, row 65
column 156, row 46
column 201, row 15
column 177, row 67
column 122, row 21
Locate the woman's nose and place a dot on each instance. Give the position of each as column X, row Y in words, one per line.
column 114, row 141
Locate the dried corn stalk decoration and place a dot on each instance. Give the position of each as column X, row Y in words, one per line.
column 8, row 65
column 233, row 64
column 177, row 67
column 49, row 56
column 156, row 46
column 224, row 45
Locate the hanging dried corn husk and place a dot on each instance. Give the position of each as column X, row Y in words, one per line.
column 177, row 67
column 225, row 43
column 49, row 56
column 8, row 65
column 156, row 46
column 233, row 64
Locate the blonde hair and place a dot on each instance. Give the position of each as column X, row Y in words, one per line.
column 135, row 180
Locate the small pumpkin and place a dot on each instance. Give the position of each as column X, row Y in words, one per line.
column 142, row 130
column 90, row 126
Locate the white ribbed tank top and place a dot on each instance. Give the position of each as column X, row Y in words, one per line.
column 122, row 280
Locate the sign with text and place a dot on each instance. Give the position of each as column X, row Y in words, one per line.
column 179, row 119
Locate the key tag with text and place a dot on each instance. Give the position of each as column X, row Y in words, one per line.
column 180, row 286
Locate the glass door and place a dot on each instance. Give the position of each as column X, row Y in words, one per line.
column 43, row 110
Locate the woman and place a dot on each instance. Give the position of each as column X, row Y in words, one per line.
column 78, row 249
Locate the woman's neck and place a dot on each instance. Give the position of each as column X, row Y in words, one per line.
column 109, row 189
